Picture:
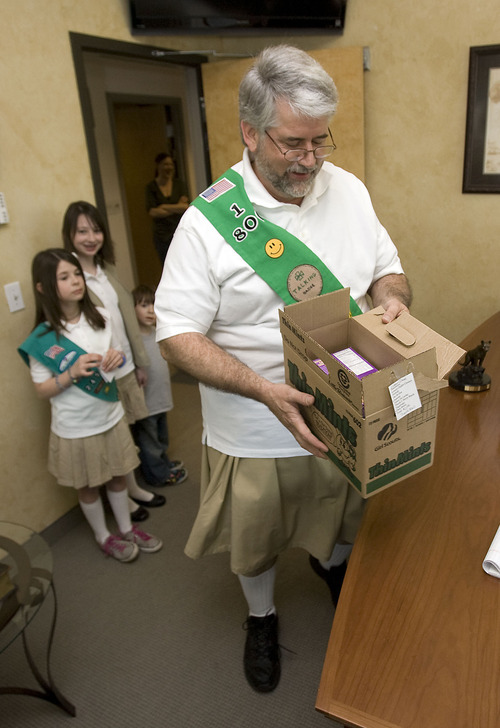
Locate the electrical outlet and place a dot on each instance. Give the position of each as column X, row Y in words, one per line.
column 14, row 296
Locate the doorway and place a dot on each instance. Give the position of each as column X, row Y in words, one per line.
column 134, row 104
column 142, row 130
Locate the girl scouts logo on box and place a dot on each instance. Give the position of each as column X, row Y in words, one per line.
column 343, row 379
column 388, row 431
column 304, row 281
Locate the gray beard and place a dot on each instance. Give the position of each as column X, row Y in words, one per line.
column 282, row 183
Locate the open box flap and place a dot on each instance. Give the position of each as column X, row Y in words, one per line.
column 376, row 387
column 310, row 350
column 426, row 384
column 309, row 347
column 314, row 313
column 409, row 336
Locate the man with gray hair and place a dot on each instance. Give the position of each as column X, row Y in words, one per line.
column 267, row 484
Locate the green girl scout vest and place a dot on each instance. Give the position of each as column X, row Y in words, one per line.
column 57, row 353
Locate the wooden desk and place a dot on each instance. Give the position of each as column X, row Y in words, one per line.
column 415, row 641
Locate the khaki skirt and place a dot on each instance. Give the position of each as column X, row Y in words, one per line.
column 132, row 398
column 92, row 460
column 257, row 507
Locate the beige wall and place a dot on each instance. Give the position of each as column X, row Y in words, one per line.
column 415, row 104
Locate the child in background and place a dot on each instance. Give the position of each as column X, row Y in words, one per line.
column 73, row 359
column 151, row 433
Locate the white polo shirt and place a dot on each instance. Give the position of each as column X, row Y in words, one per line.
column 208, row 288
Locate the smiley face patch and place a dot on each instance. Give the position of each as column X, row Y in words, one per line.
column 274, row 248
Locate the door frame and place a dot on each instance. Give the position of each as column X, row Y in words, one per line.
column 81, row 44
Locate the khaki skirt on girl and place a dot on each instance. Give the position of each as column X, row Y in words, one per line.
column 92, row 460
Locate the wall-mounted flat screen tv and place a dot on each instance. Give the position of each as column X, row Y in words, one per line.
column 232, row 16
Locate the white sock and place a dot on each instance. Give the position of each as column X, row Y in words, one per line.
column 118, row 500
column 135, row 490
column 94, row 513
column 341, row 552
column 259, row 592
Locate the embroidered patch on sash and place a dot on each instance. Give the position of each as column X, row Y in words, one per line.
column 53, row 351
column 304, row 281
column 217, row 189
column 275, row 248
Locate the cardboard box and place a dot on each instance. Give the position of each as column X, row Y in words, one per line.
column 355, row 417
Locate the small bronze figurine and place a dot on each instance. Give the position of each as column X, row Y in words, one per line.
column 472, row 377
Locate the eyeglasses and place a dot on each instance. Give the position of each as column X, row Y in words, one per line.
column 295, row 155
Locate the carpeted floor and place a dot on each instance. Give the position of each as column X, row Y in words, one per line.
column 158, row 643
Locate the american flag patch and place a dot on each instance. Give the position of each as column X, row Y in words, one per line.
column 217, row 189
column 53, row 351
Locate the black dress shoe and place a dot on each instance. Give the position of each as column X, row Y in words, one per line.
column 261, row 659
column 334, row 577
column 139, row 515
column 155, row 502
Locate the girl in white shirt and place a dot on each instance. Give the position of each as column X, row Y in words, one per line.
column 73, row 361
column 85, row 234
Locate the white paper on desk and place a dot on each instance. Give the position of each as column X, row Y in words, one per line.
column 491, row 564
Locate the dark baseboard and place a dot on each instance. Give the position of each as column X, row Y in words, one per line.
column 60, row 528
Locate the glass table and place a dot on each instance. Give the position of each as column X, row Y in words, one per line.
column 26, row 578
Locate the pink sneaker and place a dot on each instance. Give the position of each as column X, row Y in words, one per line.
column 120, row 549
column 142, row 540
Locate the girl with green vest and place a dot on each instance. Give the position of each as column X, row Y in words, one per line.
column 73, row 359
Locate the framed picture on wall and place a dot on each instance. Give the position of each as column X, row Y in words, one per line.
column 482, row 134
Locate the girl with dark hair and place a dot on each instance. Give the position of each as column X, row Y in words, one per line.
column 73, row 358
column 86, row 235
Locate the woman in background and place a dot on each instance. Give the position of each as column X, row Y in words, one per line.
column 166, row 200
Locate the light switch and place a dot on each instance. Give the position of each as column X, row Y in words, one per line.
column 4, row 215
column 14, row 296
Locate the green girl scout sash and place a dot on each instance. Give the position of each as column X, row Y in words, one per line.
column 284, row 262
column 57, row 353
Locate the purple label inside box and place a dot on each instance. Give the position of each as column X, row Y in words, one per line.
column 353, row 361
